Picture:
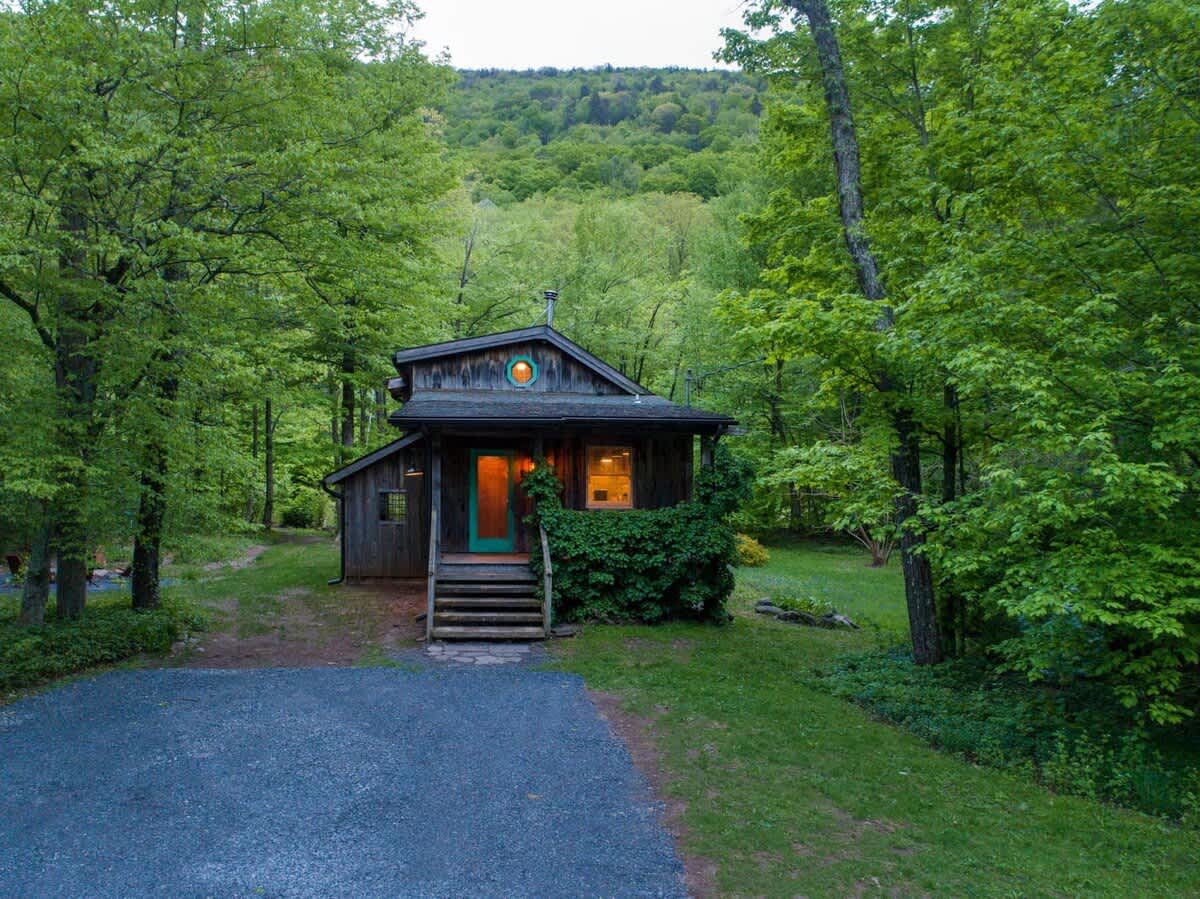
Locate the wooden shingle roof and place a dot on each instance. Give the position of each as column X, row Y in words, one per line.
column 526, row 408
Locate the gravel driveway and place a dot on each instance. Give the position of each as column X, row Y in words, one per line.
column 335, row 782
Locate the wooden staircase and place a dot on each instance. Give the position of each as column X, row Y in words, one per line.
column 486, row 602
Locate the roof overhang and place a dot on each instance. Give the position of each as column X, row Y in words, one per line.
column 517, row 411
column 371, row 458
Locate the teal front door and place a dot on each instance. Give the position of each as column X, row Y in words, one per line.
column 492, row 528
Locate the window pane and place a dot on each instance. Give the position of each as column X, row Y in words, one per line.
column 610, row 477
column 393, row 505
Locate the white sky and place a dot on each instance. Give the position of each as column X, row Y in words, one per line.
column 529, row 34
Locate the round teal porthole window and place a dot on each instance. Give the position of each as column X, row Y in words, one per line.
column 522, row 371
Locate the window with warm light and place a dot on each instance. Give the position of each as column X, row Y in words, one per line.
column 610, row 477
column 522, row 371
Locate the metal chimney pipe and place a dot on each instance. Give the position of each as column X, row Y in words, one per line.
column 551, row 296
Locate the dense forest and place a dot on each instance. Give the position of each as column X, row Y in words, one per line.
column 963, row 322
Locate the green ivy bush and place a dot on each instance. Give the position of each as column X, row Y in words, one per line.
column 1074, row 740
column 641, row 564
column 109, row 631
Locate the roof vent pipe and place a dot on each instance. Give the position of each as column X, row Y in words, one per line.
column 551, row 296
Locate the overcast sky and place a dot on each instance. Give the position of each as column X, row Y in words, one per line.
column 529, row 34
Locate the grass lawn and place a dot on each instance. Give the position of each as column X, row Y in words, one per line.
column 791, row 791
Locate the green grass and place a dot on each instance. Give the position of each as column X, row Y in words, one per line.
column 108, row 633
column 838, row 574
column 248, row 600
column 791, row 791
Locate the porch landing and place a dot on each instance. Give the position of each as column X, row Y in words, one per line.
column 485, row 558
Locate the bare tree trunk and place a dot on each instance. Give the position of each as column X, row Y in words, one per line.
column 918, row 576
column 250, row 499
column 36, row 589
column 152, row 511
column 951, row 440
column 152, row 503
column 75, row 371
column 381, row 412
column 348, row 405
column 269, row 472
column 906, row 457
column 952, row 606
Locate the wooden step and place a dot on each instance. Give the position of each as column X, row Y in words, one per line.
column 471, row 588
column 484, row 573
column 488, row 617
column 484, row 632
column 487, row 602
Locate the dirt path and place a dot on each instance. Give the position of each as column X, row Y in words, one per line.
column 242, row 561
column 309, row 629
column 258, row 619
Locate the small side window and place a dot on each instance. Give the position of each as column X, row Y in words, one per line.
column 393, row 506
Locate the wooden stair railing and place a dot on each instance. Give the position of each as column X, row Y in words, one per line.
column 431, row 583
column 547, row 579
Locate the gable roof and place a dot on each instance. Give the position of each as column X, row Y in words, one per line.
column 520, row 335
column 370, row 459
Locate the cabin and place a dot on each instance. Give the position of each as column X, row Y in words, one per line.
column 442, row 502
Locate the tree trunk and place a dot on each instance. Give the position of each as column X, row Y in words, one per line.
column 36, row 589
column 147, row 543
column 950, row 442
column 918, row 577
column 906, row 457
column 348, row 406
column 269, row 472
column 75, row 371
column 250, row 498
column 152, row 504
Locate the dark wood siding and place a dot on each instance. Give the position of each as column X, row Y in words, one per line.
column 488, row 370
column 662, row 467
column 662, row 476
column 378, row 549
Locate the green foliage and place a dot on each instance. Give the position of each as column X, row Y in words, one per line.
column 751, row 553
column 633, row 565
column 853, row 482
column 305, row 508
column 271, row 174
column 108, row 632
column 1044, row 315
column 1073, row 739
column 617, row 130
column 724, row 484
column 808, row 604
